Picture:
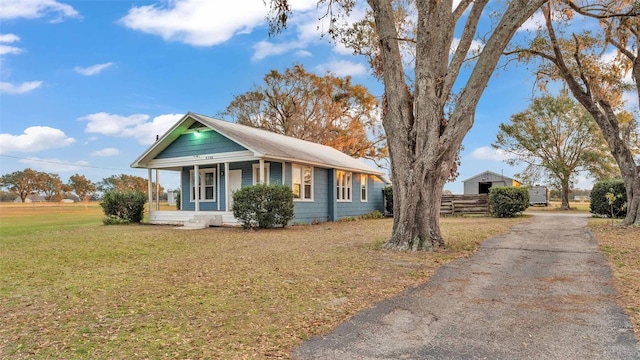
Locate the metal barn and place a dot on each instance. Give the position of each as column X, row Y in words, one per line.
column 481, row 183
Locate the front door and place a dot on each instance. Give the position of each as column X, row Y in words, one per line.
column 235, row 183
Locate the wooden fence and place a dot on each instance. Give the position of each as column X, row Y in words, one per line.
column 464, row 204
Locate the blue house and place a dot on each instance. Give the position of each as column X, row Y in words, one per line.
column 216, row 157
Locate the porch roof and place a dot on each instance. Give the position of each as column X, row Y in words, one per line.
column 263, row 144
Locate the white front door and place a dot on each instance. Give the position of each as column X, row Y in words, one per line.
column 235, row 183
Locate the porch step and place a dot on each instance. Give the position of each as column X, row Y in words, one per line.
column 202, row 222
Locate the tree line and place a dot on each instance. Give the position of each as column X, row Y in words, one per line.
column 24, row 183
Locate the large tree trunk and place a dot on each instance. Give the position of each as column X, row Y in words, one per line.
column 423, row 141
column 564, row 193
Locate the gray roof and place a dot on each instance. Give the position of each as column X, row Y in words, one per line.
column 488, row 173
column 266, row 144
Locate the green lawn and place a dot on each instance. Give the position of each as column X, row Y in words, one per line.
column 71, row 287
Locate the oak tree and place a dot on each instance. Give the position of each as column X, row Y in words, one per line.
column 22, row 183
column 576, row 57
column 427, row 117
column 327, row 109
column 82, row 186
column 556, row 138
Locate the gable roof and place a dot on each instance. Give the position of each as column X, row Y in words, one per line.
column 489, row 173
column 263, row 144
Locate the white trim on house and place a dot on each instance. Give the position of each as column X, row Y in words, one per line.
column 206, row 159
column 364, row 188
column 344, row 186
column 201, row 182
column 300, row 169
column 265, row 175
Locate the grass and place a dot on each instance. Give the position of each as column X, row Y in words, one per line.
column 574, row 207
column 621, row 246
column 73, row 288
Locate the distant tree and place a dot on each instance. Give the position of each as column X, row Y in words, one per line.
column 575, row 56
column 557, row 138
column 124, row 182
column 22, row 183
column 6, row 196
column 326, row 109
column 50, row 185
column 82, row 186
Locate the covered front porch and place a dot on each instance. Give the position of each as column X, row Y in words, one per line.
column 181, row 217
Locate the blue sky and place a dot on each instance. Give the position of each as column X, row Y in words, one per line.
column 85, row 86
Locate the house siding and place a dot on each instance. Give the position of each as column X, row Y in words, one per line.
column 356, row 207
column 308, row 212
column 209, row 142
column 185, row 197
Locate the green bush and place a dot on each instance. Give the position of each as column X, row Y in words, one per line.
column 508, row 201
column 178, row 201
column 114, row 220
column 388, row 196
column 375, row 214
column 124, row 205
column 600, row 203
column 263, row 206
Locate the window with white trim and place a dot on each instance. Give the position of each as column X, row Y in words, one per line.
column 256, row 173
column 206, row 185
column 363, row 187
column 343, row 185
column 302, row 182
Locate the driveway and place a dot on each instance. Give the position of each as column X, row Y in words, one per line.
column 542, row 291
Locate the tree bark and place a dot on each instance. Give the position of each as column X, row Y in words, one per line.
column 423, row 140
column 565, row 193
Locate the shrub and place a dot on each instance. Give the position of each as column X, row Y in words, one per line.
column 388, row 197
column 178, row 201
column 600, row 201
column 263, row 206
column 124, row 205
column 375, row 214
column 508, row 201
column 114, row 220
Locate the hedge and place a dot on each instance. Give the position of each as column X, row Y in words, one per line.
column 600, row 203
column 508, row 201
column 263, row 206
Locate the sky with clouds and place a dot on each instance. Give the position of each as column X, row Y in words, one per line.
column 85, row 86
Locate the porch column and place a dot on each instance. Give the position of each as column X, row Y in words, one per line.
column 150, row 195
column 261, row 172
column 157, row 189
column 283, row 173
column 218, row 186
column 226, row 186
column 196, row 181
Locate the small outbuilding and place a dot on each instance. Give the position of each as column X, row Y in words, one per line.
column 481, row 183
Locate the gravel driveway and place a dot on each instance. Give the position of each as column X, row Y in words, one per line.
column 542, row 291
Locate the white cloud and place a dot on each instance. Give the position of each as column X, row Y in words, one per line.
column 475, row 48
column 343, row 68
column 6, row 49
column 303, row 53
column 34, row 139
column 134, row 126
column 32, row 9
column 25, row 87
column 106, row 152
column 197, row 22
column 92, row 70
column 9, row 38
column 265, row 49
column 489, row 153
column 53, row 165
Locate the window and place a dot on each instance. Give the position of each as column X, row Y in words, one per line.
column 256, row 173
column 302, row 182
column 343, row 185
column 363, row 187
column 206, row 185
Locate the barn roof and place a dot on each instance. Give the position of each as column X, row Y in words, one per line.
column 486, row 173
